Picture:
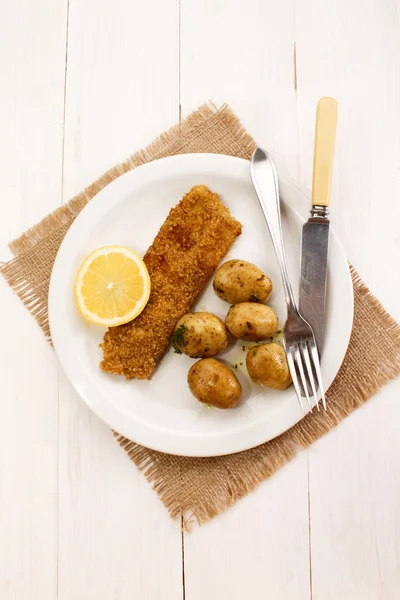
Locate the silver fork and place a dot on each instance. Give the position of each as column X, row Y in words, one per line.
column 298, row 337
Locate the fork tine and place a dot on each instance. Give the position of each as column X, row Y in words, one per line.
column 293, row 373
column 310, row 373
column 299, row 363
column 315, row 359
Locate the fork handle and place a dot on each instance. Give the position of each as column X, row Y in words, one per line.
column 265, row 180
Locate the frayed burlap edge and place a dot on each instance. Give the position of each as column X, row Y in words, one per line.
column 248, row 469
column 166, row 144
column 196, row 488
column 31, row 283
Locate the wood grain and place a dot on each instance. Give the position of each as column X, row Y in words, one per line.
column 257, row 549
column 122, row 83
column 115, row 536
column 122, row 90
column 260, row 547
column 248, row 61
column 348, row 50
column 76, row 519
column 31, row 123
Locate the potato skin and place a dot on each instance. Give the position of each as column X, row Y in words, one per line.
column 267, row 365
column 240, row 281
column 203, row 334
column 251, row 321
column 213, row 383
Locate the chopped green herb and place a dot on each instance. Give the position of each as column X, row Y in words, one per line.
column 279, row 331
column 254, row 298
column 178, row 338
column 220, row 290
column 254, row 350
column 244, row 348
column 241, row 364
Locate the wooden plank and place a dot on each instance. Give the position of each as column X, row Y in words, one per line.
column 258, row 548
column 245, row 56
column 116, row 539
column 31, row 120
column 350, row 50
column 355, row 497
column 122, row 90
column 32, row 64
column 122, row 83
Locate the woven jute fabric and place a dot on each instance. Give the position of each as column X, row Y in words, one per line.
column 201, row 488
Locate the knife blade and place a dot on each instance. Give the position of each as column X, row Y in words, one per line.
column 315, row 236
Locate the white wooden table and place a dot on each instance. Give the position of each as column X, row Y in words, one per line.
column 83, row 84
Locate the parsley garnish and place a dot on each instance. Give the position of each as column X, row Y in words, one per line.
column 178, row 338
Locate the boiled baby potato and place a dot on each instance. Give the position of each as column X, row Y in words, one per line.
column 240, row 281
column 199, row 335
column 267, row 365
column 213, row 383
column 251, row 321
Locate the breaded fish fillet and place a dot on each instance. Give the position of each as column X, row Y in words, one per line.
column 196, row 235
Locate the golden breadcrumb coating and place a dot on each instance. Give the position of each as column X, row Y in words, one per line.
column 196, row 235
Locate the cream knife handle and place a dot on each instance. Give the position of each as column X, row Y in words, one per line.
column 324, row 148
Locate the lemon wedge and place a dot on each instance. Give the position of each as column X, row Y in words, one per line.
column 112, row 286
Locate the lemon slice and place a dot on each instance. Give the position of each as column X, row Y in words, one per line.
column 112, row 286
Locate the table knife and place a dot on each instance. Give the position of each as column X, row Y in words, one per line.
column 315, row 238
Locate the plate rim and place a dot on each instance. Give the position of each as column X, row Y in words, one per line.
column 120, row 181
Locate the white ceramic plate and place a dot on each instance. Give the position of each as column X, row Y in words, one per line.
column 161, row 413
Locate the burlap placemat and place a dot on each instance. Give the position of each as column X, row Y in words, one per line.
column 200, row 488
